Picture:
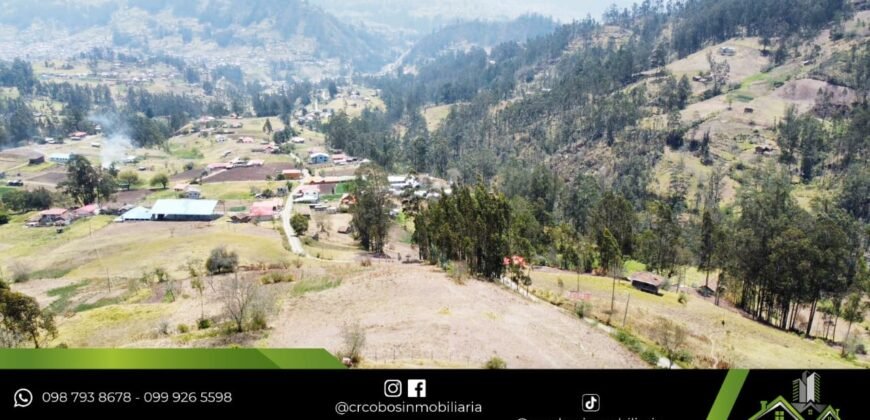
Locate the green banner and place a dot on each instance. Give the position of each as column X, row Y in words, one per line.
column 167, row 359
column 728, row 394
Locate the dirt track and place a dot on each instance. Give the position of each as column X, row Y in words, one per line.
column 414, row 315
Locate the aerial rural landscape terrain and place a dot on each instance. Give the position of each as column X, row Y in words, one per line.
column 446, row 185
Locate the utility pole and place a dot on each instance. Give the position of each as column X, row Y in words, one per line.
column 625, row 316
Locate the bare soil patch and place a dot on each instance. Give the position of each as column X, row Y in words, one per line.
column 250, row 173
column 413, row 315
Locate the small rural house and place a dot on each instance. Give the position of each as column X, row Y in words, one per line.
column 265, row 210
column 34, row 157
column 339, row 159
column 184, row 210
column 307, row 194
column 51, row 217
column 62, row 158
column 78, row 135
column 318, row 158
column 646, row 281
column 86, row 211
column 727, row 50
column 292, row 174
column 192, row 192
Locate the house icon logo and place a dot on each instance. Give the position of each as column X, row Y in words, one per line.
column 805, row 403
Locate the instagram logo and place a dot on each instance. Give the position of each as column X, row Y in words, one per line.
column 392, row 388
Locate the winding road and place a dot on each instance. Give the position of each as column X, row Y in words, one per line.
column 287, row 212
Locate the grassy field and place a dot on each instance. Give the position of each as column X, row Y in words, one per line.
column 434, row 115
column 353, row 107
column 714, row 332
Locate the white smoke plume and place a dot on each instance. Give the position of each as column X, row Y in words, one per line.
column 116, row 144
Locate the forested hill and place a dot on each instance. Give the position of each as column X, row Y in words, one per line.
column 603, row 88
column 224, row 22
column 464, row 35
column 729, row 135
column 658, row 112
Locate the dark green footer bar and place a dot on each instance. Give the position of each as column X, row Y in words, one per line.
column 167, row 359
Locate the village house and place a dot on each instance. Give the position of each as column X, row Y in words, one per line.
column 78, row 135
column 292, row 174
column 646, row 281
column 192, row 192
column 86, row 211
column 318, row 158
column 307, row 194
column 61, row 158
column 339, row 159
column 51, row 217
column 265, row 210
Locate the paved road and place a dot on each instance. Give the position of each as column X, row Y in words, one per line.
column 287, row 212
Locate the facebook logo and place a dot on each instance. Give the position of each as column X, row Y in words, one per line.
column 416, row 388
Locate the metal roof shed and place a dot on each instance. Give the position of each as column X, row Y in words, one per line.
column 138, row 213
column 184, row 210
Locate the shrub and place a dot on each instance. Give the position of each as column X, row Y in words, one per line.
column 274, row 278
column 258, row 321
column 683, row 298
column 650, row 357
column 222, row 261
column 457, row 271
column 354, row 337
column 495, row 362
column 20, row 272
column 163, row 327
column 365, row 262
column 4, row 218
column 299, row 223
column 183, row 329
column 582, row 309
column 203, row 323
column 630, row 341
column 188, row 166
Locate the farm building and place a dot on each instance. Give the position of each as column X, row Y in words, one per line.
column 34, row 158
column 51, row 217
column 62, row 158
column 292, row 174
column 184, row 210
column 339, row 158
column 729, row 51
column 646, row 281
column 265, row 210
column 86, row 211
column 192, row 192
column 307, row 194
column 135, row 215
column 317, row 158
column 78, row 135
column 331, row 179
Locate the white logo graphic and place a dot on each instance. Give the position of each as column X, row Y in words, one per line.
column 392, row 388
column 591, row 403
column 416, row 388
column 22, row 398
